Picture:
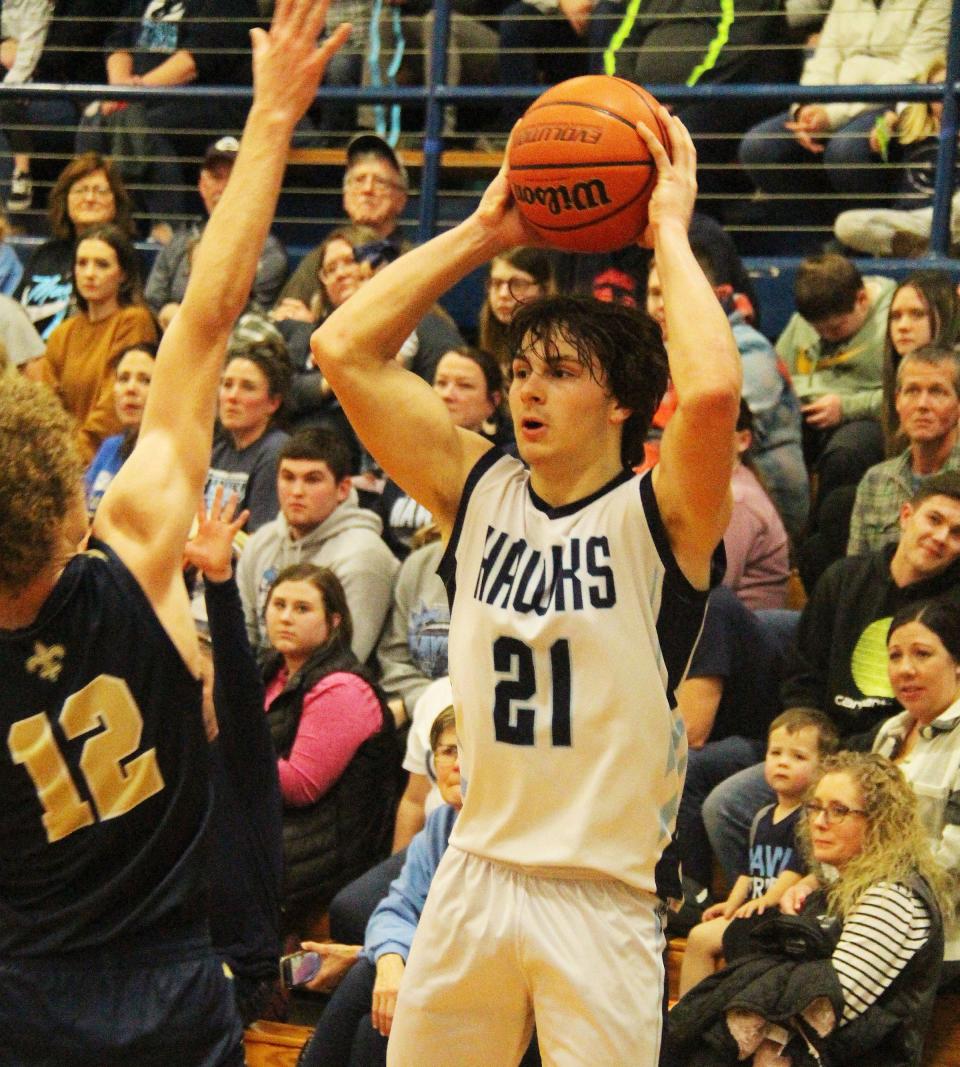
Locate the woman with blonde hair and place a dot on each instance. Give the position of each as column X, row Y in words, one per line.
column 855, row 973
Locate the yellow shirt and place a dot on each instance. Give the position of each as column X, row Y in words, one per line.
column 80, row 364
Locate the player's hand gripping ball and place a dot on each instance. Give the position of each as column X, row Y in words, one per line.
column 579, row 171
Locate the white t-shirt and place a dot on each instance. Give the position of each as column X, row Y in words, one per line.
column 419, row 758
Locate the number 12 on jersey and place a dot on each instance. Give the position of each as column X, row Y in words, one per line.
column 116, row 782
column 514, row 659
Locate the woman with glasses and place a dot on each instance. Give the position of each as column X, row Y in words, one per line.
column 923, row 661
column 517, row 276
column 339, row 274
column 89, row 192
column 348, row 257
column 80, row 359
column 853, row 977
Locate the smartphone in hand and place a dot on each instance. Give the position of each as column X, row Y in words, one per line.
column 299, row 968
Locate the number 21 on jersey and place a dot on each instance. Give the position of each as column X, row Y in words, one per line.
column 513, row 722
column 115, row 786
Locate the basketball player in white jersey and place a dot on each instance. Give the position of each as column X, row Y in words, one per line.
column 577, row 591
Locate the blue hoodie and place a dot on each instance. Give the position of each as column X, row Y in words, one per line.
column 394, row 920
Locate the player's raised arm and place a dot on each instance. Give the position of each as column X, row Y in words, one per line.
column 399, row 418
column 146, row 513
column 692, row 479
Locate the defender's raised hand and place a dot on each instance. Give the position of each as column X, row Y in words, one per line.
column 287, row 64
column 210, row 550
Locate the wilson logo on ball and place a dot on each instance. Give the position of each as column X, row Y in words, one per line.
column 580, row 172
column 581, row 196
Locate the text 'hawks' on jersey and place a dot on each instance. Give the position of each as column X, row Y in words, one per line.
column 570, row 628
column 514, row 575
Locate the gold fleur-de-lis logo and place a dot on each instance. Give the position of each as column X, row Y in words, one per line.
column 46, row 662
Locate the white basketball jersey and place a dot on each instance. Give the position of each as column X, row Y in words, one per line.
column 569, row 628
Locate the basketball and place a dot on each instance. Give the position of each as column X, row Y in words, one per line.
column 579, row 171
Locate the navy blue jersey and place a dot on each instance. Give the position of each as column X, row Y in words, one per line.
column 103, row 770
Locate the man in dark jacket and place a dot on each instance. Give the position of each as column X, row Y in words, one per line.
column 163, row 43
column 694, row 42
column 838, row 663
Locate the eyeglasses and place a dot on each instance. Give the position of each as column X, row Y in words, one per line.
column 328, row 270
column 378, row 184
column 446, row 755
column 515, row 286
column 833, row 813
column 99, row 191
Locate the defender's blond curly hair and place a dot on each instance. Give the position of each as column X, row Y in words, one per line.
column 895, row 845
column 40, row 476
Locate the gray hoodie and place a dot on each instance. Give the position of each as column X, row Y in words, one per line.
column 348, row 541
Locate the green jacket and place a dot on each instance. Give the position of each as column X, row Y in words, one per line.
column 852, row 368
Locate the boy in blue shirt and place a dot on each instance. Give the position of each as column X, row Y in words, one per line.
column 796, row 742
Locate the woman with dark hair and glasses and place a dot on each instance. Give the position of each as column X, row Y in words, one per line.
column 89, row 192
column 516, row 276
column 347, row 258
column 80, row 360
column 852, row 977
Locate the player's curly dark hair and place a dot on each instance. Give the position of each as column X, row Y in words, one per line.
column 620, row 346
column 40, row 477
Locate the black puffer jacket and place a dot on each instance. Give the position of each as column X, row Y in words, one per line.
column 790, row 968
column 330, row 842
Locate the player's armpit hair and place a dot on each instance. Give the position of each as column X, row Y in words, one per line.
column 40, row 473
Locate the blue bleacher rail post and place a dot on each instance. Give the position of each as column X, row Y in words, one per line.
column 947, row 151
column 433, row 127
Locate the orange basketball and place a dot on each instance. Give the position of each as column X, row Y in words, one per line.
column 579, row 171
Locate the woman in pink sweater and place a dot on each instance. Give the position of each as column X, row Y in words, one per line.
column 335, row 739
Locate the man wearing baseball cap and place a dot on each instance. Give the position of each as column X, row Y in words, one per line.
column 171, row 269
column 375, row 187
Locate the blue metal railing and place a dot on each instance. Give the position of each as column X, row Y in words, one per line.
column 436, row 94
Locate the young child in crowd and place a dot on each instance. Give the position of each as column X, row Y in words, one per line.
column 796, row 742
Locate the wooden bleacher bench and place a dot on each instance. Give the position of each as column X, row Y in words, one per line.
column 269, row 1044
column 451, row 159
column 943, row 1039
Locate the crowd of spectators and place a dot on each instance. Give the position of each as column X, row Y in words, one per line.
column 863, row 169
column 846, row 509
